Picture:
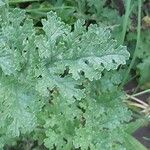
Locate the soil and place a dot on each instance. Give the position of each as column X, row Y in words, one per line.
column 143, row 135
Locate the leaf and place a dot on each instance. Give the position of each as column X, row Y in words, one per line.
column 96, row 122
column 98, row 10
column 14, row 39
column 93, row 52
column 18, row 108
column 60, row 124
column 2, row 3
column 67, row 87
column 54, row 29
column 88, row 52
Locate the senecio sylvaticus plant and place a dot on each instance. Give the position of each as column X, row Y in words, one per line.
column 59, row 85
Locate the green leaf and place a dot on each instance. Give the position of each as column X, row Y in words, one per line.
column 54, row 29
column 66, row 86
column 60, row 124
column 14, row 40
column 18, row 108
column 96, row 122
column 92, row 52
column 80, row 51
column 2, row 3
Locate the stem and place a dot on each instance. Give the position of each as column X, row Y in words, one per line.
column 47, row 9
column 137, row 42
column 146, row 138
column 136, row 89
column 21, row 1
column 137, row 100
column 143, row 92
column 125, row 22
column 136, row 104
column 43, row 11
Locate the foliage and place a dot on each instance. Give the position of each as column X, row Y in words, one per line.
column 54, row 66
column 108, row 12
column 143, row 55
column 59, row 84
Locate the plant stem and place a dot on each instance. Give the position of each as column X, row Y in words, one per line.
column 143, row 92
column 137, row 105
column 136, row 89
column 125, row 22
column 43, row 11
column 146, row 138
column 21, row 1
column 47, row 9
column 137, row 43
column 137, row 100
